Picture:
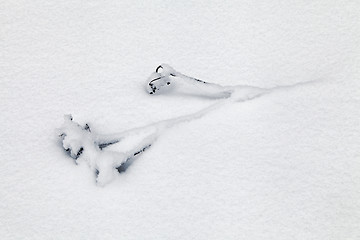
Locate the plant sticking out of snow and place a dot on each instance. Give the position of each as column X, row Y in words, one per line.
column 85, row 146
column 167, row 80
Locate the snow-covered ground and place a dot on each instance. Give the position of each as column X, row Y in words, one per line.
column 285, row 165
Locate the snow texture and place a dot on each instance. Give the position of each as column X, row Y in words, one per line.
column 284, row 165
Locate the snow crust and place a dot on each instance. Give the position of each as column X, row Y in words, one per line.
column 284, row 165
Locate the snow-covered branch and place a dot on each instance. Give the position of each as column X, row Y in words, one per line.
column 85, row 146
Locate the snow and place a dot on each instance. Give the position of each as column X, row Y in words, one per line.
column 284, row 165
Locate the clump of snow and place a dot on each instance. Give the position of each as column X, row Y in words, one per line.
column 85, row 146
column 74, row 137
column 81, row 145
column 167, row 79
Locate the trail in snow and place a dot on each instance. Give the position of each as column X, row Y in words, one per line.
column 88, row 147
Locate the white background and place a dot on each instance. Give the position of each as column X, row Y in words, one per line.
column 283, row 166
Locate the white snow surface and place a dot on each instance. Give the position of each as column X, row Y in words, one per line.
column 285, row 165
